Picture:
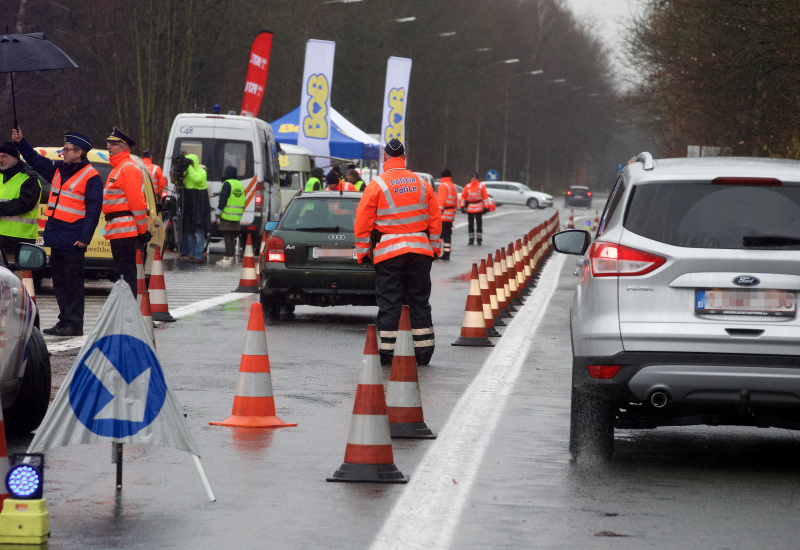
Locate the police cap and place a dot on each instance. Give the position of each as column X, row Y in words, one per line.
column 394, row 148
column 117, row 135
column 78, row 140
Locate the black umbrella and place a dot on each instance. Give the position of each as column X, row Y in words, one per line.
column 20, row 53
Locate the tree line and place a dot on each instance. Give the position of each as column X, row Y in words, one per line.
column 143, row 62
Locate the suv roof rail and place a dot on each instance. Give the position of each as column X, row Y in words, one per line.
column 646, row 159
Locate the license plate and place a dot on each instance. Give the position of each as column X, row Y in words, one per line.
column 755, row 303
column 318, row 252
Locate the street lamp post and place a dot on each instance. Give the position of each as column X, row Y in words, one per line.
column 505, row 127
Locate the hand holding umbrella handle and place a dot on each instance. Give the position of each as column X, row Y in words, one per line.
column 16, row 133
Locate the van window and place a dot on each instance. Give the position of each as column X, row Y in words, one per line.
column 216, row 154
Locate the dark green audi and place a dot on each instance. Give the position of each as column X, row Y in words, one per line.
column 309, row 258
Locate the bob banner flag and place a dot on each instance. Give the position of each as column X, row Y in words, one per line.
column 315, row 99
column 257, row 73
column 395, row 99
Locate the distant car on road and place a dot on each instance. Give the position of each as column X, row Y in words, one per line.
column 686, row 308
column 24, row 361
column 509, row 192
column 578, row 195
column 310, row 256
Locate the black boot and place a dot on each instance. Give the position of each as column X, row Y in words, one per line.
column 446, row 256
column 471, row 242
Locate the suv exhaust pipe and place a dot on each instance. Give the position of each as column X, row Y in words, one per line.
column 659, row 399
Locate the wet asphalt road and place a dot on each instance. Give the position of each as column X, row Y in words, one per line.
column 498, row 476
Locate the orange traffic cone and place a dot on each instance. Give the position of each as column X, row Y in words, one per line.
column 502, row 286
column 513, row 287
column 488, row 317
column 263, row 247
column 526, row 262
column 368, row 456
column 148, row 315
column 596, row 221
column 506, row 281
column 473, row 330
column 27, row 282
column 158, row 290
column 141, row 285
column 248, row 282
column 518, row 269
column 403, row 400
column 3, row 459
column 493, row 296
column 253, row 404
column 571, row 222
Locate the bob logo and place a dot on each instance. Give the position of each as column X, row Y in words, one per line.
column 394, row 128
column 315, row 125
column 746, row 280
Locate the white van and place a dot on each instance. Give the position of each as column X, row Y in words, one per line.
column 295, row 169
column 231, row 140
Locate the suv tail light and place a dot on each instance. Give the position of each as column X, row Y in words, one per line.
column 611, row 260
column 275, row 251
column 603, row 371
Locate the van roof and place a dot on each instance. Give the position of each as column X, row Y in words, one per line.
column 290, row 149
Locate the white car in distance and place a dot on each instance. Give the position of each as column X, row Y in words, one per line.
column 509, row 192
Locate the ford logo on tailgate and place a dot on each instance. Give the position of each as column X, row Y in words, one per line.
column 746, row 280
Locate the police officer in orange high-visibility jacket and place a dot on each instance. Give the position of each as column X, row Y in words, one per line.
column 476, row 198
column 399, row 225
column 124, row 207
column 156, row 174
column 447, row 195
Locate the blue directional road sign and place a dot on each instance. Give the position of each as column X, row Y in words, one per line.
column 118, row 388
column 492, row 175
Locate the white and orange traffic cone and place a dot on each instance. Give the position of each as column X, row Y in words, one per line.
column 141, row 285
column 488, row 316
column 502, row 286
column 518, row 269
column 262, row 248
column 526, row 263
column 493, row 296
column 596, row 223
column 253, row 403
column 158, row 290
column 571, row 222
column 27, row 283
column 473, row 330
column 147, row 314
column 403, row 400
column 513, row 287
column 248, row 282
column 368, row 456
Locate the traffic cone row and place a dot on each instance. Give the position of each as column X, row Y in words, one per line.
column 248, row 282
column 503, row 282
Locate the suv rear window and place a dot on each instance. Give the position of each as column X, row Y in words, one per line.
column 703, row 215
column 320, row 214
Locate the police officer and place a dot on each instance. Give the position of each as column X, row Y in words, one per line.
column 476, row 198
column 124, row 207
column 314, row 183
column 156, row 175
column 354, row 178
column 231, row 206
column 19, row 201
column 447, row 195
column 73, row 211
column 399, row 213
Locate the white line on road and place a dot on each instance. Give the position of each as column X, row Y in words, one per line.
column 177, row 313
column 429, row 509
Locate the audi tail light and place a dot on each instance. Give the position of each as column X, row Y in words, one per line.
column 611, row 260
column 275, row 250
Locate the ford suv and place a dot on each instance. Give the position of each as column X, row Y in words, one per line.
column 686, row 308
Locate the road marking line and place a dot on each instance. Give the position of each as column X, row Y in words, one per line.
column 428, row 512
column 177, row 313
column 493, row 215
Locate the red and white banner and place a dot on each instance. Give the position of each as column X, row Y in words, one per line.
column 257, row 73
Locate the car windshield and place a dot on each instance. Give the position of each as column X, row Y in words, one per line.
column 320, row 214
column 702, row 215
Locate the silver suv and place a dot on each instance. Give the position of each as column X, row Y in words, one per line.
column 686, row 309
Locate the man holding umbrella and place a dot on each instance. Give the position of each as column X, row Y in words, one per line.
column 73, row 211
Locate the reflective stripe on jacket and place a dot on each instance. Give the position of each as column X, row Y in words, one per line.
column 403, row 209
column 447, row 195
column 22, row 226
column 156, row 175
column 123, row 193
column 476, row 197
column 234, row 207
column 67, row 201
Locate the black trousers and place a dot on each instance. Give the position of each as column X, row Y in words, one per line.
column 471, row 219
column 67, row 269
column 405, row 279
column 123, row 251
column 447, row 234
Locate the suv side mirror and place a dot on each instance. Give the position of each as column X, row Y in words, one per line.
column 572, row 241
column 30, row 257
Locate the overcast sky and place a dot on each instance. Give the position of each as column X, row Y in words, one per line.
column 608, row 17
